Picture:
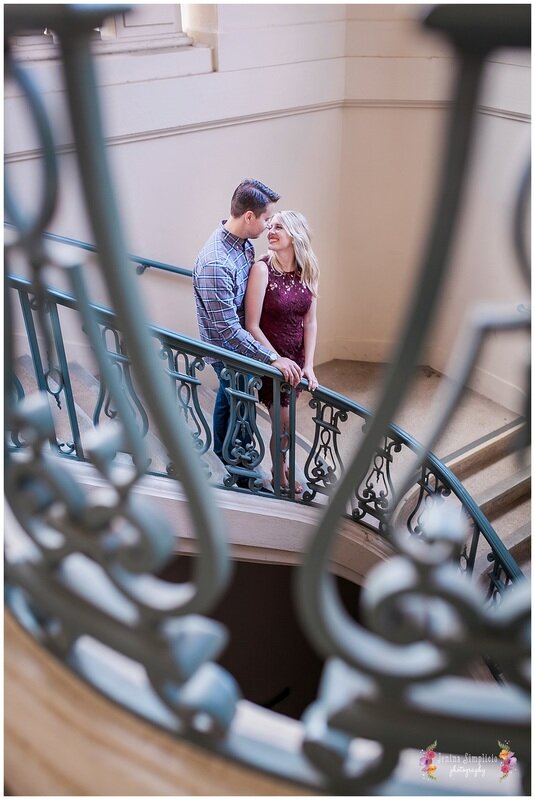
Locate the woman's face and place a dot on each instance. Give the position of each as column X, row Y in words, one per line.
column 278, row 237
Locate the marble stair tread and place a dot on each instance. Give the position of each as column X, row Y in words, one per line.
column 357, row 380
column 475, row 456
column 498, row 497
column 494, row 480
column 519, row 544
column 26, row 375
column 513, row 520
column 86, row 387
column 475, row 417
column 514, row 529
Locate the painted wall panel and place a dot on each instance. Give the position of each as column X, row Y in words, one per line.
column 342, row 109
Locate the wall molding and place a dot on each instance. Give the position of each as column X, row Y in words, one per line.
column 503, row 113
column 195, row 127
column 248, row 119
column 397, row 104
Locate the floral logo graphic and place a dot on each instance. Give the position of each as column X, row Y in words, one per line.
column 508, row 758
column 426, row 762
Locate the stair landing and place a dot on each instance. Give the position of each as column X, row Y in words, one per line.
column 475, row 417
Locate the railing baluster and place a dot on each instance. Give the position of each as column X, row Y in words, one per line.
column 35, row 352
column 291, row 446
column 473, row 549
column 33, row 341
column 277, row 437
column 67, row 386
column 324, row 462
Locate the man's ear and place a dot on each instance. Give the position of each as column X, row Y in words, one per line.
column 248, row 217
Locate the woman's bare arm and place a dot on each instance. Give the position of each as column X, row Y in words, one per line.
column 310, row 332
column 254, row 300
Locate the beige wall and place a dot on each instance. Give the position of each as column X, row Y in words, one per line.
column 484, row 265
column 341, row 109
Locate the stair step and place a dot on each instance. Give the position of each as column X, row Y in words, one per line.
column 486, row 450
column 513, row 520
column 519, row 544
column 510, row 526
column 495, row 501
column 493, row 473
column 504, row 494
column 26, row 374
column 86, row 389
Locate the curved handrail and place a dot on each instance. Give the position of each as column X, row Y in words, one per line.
column 142, row 262
column 449, row 479
column 322, row 394
column 199, row 349
column 90, row 574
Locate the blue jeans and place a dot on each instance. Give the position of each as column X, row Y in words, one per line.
column 222, row 413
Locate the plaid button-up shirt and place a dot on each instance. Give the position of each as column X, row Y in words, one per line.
column 219, row 282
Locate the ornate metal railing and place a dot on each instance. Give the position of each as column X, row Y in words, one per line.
column 80, row 565
column 323, row 462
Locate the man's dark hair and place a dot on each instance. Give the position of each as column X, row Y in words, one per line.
column 252, row 195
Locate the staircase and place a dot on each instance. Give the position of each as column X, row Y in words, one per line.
column 86, row 389
column 500, row 482
column 476, row 446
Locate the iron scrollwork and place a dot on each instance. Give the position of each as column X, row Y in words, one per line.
column 375, row 494
column 423, row 622
column 243, row 448
column 118, row 357
column 432, row 490
column 324, row 464
column 91, row 556
column 108, row 544
column 182, row 369
column 428, row 621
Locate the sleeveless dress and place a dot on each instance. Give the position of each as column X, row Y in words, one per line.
column 286, row 303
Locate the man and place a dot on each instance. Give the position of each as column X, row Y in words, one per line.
column 219, row 282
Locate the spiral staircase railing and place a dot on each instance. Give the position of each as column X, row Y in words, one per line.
column 80, row 566
column 370, row 503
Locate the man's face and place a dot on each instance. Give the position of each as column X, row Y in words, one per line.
column 257, row 225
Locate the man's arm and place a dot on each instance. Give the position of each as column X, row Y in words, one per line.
column 214, row 292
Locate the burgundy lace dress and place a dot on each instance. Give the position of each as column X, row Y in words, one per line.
column 286, row 303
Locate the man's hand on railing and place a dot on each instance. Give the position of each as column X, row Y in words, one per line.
column 290, row 370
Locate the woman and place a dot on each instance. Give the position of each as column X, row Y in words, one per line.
column 280, row 310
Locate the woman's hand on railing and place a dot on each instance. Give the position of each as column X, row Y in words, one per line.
column 310, row 376
column 290, row 370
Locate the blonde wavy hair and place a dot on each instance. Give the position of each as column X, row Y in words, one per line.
column 308, row 269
